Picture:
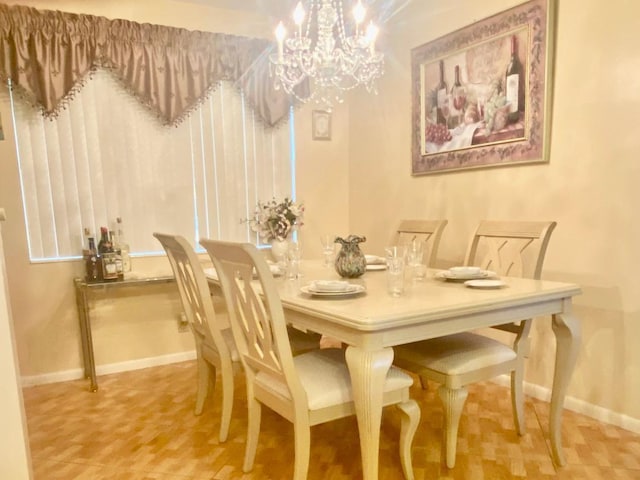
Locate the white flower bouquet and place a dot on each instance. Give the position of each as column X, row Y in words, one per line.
column 275, row 220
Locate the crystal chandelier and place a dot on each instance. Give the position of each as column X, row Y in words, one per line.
column 333, row 59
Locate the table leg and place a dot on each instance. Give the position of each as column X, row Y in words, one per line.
column 86, row 338
column 567, row 331
column 368, row 370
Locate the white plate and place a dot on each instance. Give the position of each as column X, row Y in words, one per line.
column 376, row 267
column 447, row 275
column 375, row 260
column 351, row 291
column 485, row 283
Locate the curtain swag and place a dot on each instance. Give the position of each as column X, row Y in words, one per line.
column 48, row 55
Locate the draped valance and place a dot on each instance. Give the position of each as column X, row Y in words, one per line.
column 49, row 54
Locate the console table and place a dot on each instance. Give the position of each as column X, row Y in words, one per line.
column 83, row 291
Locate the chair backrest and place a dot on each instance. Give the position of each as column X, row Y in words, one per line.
column 428, row 231
column 255, row 313
column 194, row 291
column 515, row 249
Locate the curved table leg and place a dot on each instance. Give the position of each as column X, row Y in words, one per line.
column 567, row 331
column 368, row 370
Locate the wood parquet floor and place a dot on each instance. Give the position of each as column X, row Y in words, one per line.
column 140, row 426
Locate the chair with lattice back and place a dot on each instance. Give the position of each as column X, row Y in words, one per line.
column 215, row 348
column 427, row 231
column 454, row 361
column 308, row 389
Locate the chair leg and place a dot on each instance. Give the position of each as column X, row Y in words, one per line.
column 302, row 442
column 424, row 383
column 254, row 410
column 517, row 400
column 206, row 381
column 453, row 401
column 408, row 427
column 227, row 400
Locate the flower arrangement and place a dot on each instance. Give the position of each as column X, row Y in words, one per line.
column 275, row 220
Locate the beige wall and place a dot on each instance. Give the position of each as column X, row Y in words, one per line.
column 361, row 182
column 589, row 185
column 138, row 324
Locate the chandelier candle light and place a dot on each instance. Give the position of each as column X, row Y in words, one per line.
column 333, row 64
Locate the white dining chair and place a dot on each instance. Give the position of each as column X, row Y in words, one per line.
column 427, row 231
column 307, row 389
column 455, row 361
column 215, row 348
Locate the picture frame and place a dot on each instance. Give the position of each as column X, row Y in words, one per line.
column 481, row 96
column 321, row 125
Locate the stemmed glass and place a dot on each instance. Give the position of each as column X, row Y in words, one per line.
column 294, row 255
column 328, row 249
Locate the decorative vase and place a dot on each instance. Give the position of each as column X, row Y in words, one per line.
column 279, row 250
column 350, row 261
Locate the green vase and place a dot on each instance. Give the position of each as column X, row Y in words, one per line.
column 350, row 261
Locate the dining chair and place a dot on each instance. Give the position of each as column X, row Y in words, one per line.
column 514, row 249
column 215, row 348
column 427, row 231
column 308, row 389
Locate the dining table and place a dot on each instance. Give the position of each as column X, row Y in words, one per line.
column 370, row 322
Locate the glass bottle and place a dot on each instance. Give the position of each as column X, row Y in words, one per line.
column 123, row 246
column 91, row 262
column 441, row 98
column 459, row 98
column 107, row 256
column 514, row 83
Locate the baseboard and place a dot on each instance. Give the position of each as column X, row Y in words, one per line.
column 78, row 373
column 579, row 406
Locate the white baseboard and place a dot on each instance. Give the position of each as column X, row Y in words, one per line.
column 78, row 373
column 579, row 406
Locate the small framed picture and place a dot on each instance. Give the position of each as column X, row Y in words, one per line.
column 321, row 125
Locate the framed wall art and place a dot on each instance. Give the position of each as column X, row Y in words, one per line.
column 321, row 125
column 481, row 96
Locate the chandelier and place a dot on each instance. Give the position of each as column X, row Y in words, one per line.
column 332, row 58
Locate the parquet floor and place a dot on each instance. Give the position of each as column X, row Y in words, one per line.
column 140, row 426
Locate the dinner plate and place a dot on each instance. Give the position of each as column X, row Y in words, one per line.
column 375, row 260
column 447, row 275
column 485, row 283
column 376, row 267
column 352, row 290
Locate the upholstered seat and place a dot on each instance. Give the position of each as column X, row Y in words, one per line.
column 311, row 388
column 454, row 361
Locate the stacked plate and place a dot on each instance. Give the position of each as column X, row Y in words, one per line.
column 464, row 273
column 332, row 288
column 375, row 262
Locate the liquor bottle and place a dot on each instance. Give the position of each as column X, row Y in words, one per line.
column 459, row 98
column 514, row 83
column 91, row 262
column 123, row 246
column 442, row 108
column 118, row 255
column 107, row 256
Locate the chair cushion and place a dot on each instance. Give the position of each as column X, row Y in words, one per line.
column 456, row 354
column 325, row 378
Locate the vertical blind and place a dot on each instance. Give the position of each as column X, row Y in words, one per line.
column 106, row 156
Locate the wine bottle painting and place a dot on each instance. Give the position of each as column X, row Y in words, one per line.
column 475, row 96
column 481, row 95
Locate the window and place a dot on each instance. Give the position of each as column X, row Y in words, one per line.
column 106, row 157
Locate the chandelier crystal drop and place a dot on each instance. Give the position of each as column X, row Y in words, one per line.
column 333, row 59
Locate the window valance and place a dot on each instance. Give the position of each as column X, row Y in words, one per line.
column 49, row 54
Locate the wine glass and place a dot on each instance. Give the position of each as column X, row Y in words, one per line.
column 328, row 248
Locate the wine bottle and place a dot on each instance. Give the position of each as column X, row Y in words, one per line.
column 117, row 254
column 91, row 261
column 514, row 83
column 123, row 246
column 107, row 256
column 441, row 98
column 458, row 97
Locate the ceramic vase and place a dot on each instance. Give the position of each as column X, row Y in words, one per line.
column 279, row 250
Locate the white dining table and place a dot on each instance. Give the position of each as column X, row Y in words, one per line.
column 373, row 322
